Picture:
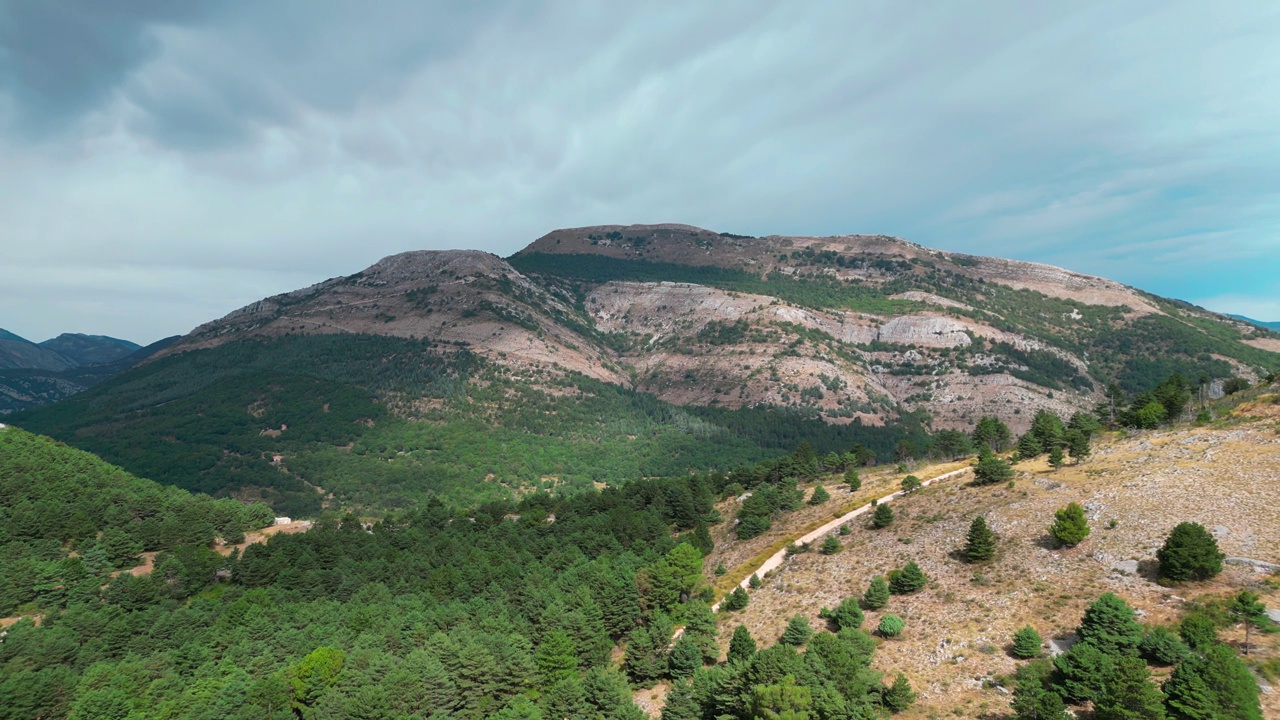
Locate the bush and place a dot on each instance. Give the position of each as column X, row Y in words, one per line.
column 890, row 625
column 1027, row 643
column 819, row 496
column 847, row 615
column 830, row 546
column 1197, row 630
column 752, row 526
column 755, row 581
column 911, row 483
column 1189, row 553
column 736, row 600
column 1070, row 527
column 907, row 580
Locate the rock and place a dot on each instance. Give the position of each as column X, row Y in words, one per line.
column 1221, row 531
column 1274, row 614
column 925, row 330
column 1059, row 645
column 1128, row 567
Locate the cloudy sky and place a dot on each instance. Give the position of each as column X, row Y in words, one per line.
column 162, row 163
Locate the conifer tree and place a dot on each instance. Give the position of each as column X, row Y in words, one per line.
column 1190, row 552
column 907, row 580
column 819, row 496
column 890, row 625
column 1027, row 643
column 1197, row 631
column 755, row 581
column 681, row 702
column 847, row 615
column 1070, row 526
column 882, row 517
column 898, row 696
column 991, row 470
column 852, row 479
column 742, row 647
column 1163, row 647
column 1129, row 694
column 1056, row 457
column 736, row 600
column 798, row 632
column 686, row 657
column 877, row 594
column 1078, row 445
column 1248, row 609
column 910, row 484
column 1215, row 685
column 830, row 546
column 1111, row 625
column 556, row 658
column 981, row 542
column 1029, row 447
column 1033, row 697
column 992, row 433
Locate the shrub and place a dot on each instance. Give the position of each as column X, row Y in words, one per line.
column 911, row 483
column 736, row 600
column 1197, row 631
column 847, row 614
column 752, row 526
column 830, row 546
column 898, row 696
column 1070, row 527
column 907, row 580
column 721, row 569
column 755, row 581
column 1163, row 647
column 819, row 496
column 1189, row 553
column 890, row 625
column 1027, row 643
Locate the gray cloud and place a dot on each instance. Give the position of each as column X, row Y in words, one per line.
column 294, row 141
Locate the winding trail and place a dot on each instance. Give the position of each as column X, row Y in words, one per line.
column 775, row 561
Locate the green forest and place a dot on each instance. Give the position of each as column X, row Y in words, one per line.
column 508, row 610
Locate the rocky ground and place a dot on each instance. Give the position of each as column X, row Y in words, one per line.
column 955, row 647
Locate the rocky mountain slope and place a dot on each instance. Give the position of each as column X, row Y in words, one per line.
column 32, row 375
column 599, row 354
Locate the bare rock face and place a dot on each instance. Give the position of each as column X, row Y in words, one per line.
column 927, row 330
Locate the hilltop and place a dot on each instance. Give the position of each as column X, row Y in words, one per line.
column 36, row 374
column 600, row 354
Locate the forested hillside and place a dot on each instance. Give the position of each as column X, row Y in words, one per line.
column 67, row 519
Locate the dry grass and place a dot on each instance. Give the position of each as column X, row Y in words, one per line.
column 959, row 627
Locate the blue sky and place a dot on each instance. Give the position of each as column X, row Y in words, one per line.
column 164, row 163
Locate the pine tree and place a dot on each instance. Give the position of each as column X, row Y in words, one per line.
column 700, row 626
column 819, row 496
column 877, row 595
column 1111, row 625
column 907, row 580
column 991, row 470
column 681, row 703
column 1027, row 643
column 830, row 546
column 852, row 479
column 754, row 582
column 992, row 433
column 882, row 517
column 798, row 632
column 1083, row 672
column 736, row 600
column 890, row 625
column 742, row 647
column 1029, row 447
column 847, row 615
column 1078, row 445
column 556, row 658
column 1070, row 527
column 910, row 484
column 643, row 659
column 1129, row 694
column 1248, row 609
column 1189, row 553
column 1163, row 647
column 1197, row 631
column 565, row 699
column 898, row 696
column 700, row 538
column 981, row 544
column 721, row 570
column 1033, row 697
column 686, row 657
column 1213, row 686
column 1056, row 457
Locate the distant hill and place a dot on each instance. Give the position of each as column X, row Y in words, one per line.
column 90, row 349
column 596, row 355
column 1268, row 325
column 40, row 374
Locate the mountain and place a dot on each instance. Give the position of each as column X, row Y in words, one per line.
column 18, row 352
column 63, row 366
column 90, row 349
column 600, row 354
column 1275, row 326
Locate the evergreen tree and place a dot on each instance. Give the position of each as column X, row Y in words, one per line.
column 1029, row 446
column 882, row 517
column 1197, row 631
column 981, row 542
column 686, row 657
column 736, row 600
column 907, row 580
column 910, row 484
column 681, row 703
column 846, row 616
column 754, row 582
column 1056, row 457
column 1070, row 526
column 1248, row 609
column 898, row 696
column 1083, row 672
column 1189, row 553
column 607, row 691
column 1033, row 697
column 742, row 647
column 644, row 656
column 819, row 496
column 852, row 479
column 992, row 433
column 700, row 626
column 700, row 538
column 1163, row 647
column 798, row 632
column 991, row 470
column 1111, row 625
column 1129, row 694
column 1027, row 643
column 1047, row 427
column 830, row 546
column 1213, row 686
column 890, row 625
column 1078, row 445
column 566, row 699
column 556, row 658
column 877, row 594
column 721, row 570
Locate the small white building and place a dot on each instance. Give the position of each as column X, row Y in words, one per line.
column 283, row 521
